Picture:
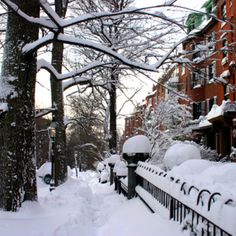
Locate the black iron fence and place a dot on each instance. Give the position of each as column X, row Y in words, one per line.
column 185, row 204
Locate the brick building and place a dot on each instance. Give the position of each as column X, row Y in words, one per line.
column 209, row 76
column 169, row 80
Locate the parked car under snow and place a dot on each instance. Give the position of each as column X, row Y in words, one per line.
column 45, row 171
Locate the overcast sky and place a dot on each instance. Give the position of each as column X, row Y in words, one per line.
column 188, row 3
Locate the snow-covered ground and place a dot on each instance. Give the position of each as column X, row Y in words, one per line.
column 84, row 207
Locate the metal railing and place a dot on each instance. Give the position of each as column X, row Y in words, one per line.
column 180, row 210
column 120, row 186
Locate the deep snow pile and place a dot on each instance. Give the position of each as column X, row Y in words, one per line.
column 84, row 207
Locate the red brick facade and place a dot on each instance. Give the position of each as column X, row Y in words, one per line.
column 209, row 77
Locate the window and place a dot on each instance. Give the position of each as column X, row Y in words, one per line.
column 211, row 103
column 196, row 53
column 211, row 41
column 197, row 79
column 197, row 110
column 226, row 92
column 211, row 71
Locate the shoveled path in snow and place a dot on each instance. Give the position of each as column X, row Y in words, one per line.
column 84, row 207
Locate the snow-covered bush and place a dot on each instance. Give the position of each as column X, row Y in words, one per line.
column 165, row 124
column 180, row 152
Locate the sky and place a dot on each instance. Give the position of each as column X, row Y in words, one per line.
column 192, row 4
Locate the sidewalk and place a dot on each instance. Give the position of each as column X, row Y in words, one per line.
column 84, row 207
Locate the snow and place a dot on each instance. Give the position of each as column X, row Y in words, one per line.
column 191, row 167
column 137, row 144
column 84, row 207
column 113, row 158
column 186, row 181
column 6, row 88
column 3, row 107
column 44, row 22
column 216, row 110
column 174, row 79
column 100, row 166
column 204, row 24
column 120, row 168
column 43, row 64
column 217, row 178
column 204, row 123
column 180, row 152
column 46, row 168
column 225, row 73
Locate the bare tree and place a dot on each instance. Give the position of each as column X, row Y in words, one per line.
column 19, row 70
column 138, row 38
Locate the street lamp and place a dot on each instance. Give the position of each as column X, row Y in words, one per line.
column 76, row 163
column 52, row 133
column 111, row 162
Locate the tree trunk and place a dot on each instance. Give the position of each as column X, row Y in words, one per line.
column 18, row 124
column 57, row 101
column 113, row 115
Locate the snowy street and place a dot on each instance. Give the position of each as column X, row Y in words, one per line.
column 84, row 207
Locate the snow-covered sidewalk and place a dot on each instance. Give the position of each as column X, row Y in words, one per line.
column 85, row 207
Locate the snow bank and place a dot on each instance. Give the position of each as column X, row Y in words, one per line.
column 84, row 207
column 180, row 152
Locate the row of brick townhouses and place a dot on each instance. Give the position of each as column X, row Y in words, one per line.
column 207, row 76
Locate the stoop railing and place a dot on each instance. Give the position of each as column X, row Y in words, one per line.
column 200, row 211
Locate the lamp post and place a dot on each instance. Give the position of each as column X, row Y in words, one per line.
column 80, row 161
column 76, row 163
column 111, row 162
column 52, row 132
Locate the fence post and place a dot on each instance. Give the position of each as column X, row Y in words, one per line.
column 135, row 149
column 111, row 165
column 132, row 180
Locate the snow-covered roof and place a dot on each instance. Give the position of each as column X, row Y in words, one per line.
column 216, row 110
column 137, row 144
column 204, row 123
column 203, row 25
